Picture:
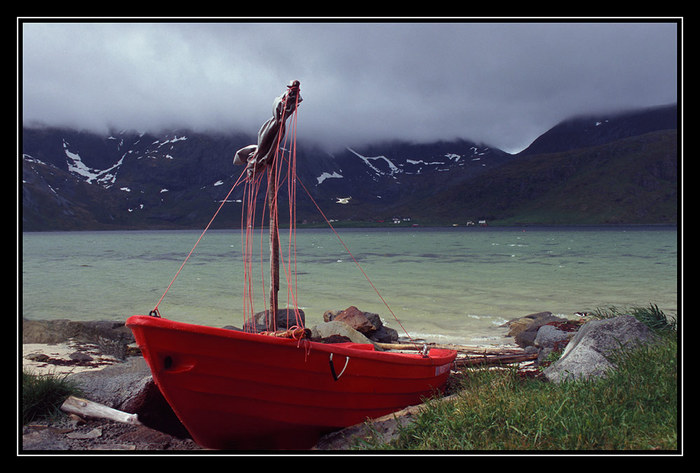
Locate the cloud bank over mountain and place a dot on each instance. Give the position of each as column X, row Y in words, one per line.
column 499, row 83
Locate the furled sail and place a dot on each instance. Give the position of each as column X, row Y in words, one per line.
column 267, row 158
column 257, row 157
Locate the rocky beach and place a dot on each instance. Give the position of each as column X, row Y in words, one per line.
column 102, row 361
column 100, row 358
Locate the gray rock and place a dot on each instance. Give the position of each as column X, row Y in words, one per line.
column 336, row 327
column 526, row 337
column 588, row 353
column 550, row 339
column 129, row 387
column 115, row 385
column 548, row 336
column 384, row 334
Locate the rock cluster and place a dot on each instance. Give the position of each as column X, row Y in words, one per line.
column 542, row 332
column 369, row 325
column 586, row 346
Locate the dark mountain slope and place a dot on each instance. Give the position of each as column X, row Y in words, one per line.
column 593, row 130
column 632, row 180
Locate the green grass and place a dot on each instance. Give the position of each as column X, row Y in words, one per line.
column 633, row 408
column 42, row 395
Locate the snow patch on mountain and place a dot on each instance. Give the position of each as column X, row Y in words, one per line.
column 326, row 175
column 393, row 169
column 166, row 142
column 76, row 165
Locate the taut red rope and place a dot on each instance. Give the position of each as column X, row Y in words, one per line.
column 250, row 196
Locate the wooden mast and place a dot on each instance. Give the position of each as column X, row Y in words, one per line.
column 274, row 242
column 292, row 94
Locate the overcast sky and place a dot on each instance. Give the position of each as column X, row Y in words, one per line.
column 502, row 84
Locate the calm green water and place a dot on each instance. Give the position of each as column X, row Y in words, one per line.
column 446, row 285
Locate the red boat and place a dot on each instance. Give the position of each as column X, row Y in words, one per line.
column 237, row 390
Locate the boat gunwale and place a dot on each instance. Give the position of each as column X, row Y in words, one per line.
column 435, row 357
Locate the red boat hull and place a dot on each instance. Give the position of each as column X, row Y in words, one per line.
column 236, row 390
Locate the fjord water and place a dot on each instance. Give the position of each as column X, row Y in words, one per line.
column 446, row 285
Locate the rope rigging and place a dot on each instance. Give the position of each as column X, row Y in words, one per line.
column 273, row 160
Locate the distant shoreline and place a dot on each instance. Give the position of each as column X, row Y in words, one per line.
column 385, row 226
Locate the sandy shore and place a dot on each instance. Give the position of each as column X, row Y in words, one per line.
column 64, row 358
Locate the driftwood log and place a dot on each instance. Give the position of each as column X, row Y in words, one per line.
column 467, row 349
column 85, row 408
column 494, row 359
column 470, row 355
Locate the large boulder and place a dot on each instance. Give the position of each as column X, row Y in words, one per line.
column 588, row 353
column 117, row 385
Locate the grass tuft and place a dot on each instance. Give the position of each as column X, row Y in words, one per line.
column 651, row 316
column 42, row 395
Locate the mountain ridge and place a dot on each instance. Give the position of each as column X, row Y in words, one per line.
column 75, row 180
